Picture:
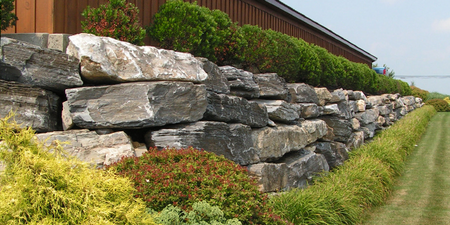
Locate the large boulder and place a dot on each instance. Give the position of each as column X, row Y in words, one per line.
column 242, row 83
column 272, row 143
column 271, row 86
column 324, row 96
column 136, row 105
column 88, row 146
column 302, row 93
column 234, row 141
column 281, row 111
column 338, row 95
column 33, row 107
column 39, row 67
column 356, row 140
column 106, row 60
column 342, row 128
column 302, row 166
column 271, row 177
column 234, row 109
column 216, row 81
column 335, row 152
column 309, row 110
column 369, row 116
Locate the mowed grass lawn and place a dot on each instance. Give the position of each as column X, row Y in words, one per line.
column 422, row 194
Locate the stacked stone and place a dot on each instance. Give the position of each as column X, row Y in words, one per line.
column 284, row 133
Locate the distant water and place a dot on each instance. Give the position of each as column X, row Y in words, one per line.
column 432, row 83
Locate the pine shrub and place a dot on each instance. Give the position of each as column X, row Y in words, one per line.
column 419, row 93
column 182, row 177
column 8, row 18
column 42, row 186
column 117, row 19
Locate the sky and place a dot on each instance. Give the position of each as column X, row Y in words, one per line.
column 412, row 37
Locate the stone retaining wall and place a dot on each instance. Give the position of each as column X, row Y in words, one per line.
column 111, row 99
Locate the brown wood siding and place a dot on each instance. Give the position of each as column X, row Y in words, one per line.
column 64, row 16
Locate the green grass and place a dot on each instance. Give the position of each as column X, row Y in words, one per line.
column 436, row 95
column 364, row 181
column 422, row 194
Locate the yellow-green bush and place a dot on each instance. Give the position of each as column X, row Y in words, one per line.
column 42, row 186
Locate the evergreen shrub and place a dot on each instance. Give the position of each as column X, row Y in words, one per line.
column 419, row 93
column 117, row 19
column 439, row 104
column 42, row 186
column 8, row 18
column 182, row 177
column 187, row 27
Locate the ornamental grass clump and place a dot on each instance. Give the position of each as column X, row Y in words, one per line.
column 41, row 186
column 182, row 177
column 364, row 181
column 117, row 19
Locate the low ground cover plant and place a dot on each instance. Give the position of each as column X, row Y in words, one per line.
column 42, row 186
column 117, row 19
column 364, row 181
column 182, row 177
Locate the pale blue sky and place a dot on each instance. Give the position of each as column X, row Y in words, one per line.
column 412, row 37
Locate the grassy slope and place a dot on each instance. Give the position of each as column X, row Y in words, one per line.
column 422, row 194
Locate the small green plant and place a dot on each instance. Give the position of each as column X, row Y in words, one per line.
column 182, row 177
column 202, row 213
column 8, row 18
column 439, row 104
column 116, row 19
column 42, row 186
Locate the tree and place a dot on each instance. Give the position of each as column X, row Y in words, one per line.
column 7, row 16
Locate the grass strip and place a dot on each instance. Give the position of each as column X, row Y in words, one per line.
column 364, row 181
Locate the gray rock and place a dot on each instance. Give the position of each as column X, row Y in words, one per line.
column 271, row 86
column 355, row 124
column 342, row 128
column 67, row 122
column 338, row 95
column 335, row 152
column 302, row 93
column 216, row 81
column 106, row 60
column 281, row 111
column 360, row 105
column 234, row 109
column 409, row 100
column 309, row 110
column 39, row 67
column 33, row 107
column 332, row 109
column 367, row 117
column 356, row 140
column 273, row 143
column 357, row 95
column 302, row 166
column 377, row 100
column 137, row 105
column 385, row 109
column 234, row 141
column 346, row 109
column 271, row 177
column 324, row 96
column 88, row 146
column 242, row 83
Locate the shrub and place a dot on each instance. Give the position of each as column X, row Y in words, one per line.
column 187, row 27
column 365, row 180
column 419, row 93
column 7, row 16
column 436, row 95
column 327, row 66
column 186, row 176
column 39, row 187
column 439, row 104
column 202, row 213
column 116, row 19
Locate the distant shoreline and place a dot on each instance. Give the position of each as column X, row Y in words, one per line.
column 421, row 76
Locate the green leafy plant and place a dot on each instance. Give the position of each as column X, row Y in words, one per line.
column 202, row 213
column 187, row 27
column 183, row 177
column 439, row 104
column 116, row 19
column 42, row 186
column 8, row 18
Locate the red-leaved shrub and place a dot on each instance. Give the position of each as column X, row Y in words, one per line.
column 184, row 176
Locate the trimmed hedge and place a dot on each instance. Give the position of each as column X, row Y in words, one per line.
column 190, row 28
column 364, row 181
